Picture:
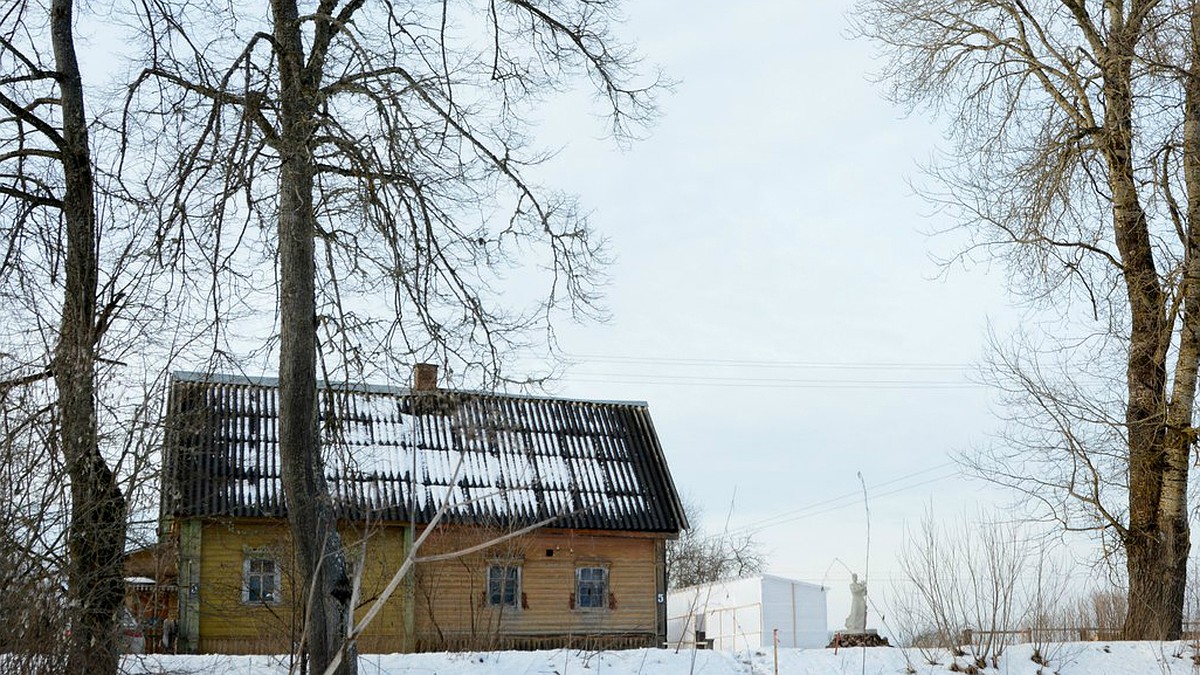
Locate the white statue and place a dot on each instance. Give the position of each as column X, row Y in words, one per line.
column 857, row 621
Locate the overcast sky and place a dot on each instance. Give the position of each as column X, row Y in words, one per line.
column 774, row 299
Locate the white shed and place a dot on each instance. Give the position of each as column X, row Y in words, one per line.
column 744, row 614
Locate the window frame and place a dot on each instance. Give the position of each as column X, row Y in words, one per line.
column 505, row 566
column 605, row 587
column 250, row 557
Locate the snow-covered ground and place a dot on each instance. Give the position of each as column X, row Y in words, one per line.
column 1083, row 658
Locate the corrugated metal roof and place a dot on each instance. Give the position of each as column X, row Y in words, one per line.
column 392, row 453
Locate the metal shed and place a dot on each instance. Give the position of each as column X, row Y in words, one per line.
column 744, row 614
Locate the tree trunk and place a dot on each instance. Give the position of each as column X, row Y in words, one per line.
column 1156, row 539
column 1158, row 571
column 96, row 538
column 322, row 577
column 1014, row 70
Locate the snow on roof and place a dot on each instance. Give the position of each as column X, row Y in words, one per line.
column 392, row 453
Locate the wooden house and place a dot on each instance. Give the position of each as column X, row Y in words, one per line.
column 594, row 576
column 150, row 594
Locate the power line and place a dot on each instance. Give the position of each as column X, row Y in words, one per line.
column 786, row 374
column 766, row 363
column 905, row 488
column 799, row 514
column 848, row 499
column 767, row 383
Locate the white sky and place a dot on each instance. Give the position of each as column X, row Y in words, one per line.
column 766, row 223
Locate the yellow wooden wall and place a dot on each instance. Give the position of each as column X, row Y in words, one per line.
column 451, row 605
column 450, row 611
column 229, row 626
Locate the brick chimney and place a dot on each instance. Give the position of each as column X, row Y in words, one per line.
column 425, row 377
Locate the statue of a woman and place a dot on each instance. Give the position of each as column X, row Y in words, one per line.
column 857, row 621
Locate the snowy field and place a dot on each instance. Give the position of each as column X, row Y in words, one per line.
column 1084, row 658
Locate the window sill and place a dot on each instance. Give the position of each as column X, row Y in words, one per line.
column 260, row 603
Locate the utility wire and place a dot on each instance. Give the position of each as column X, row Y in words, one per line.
column 847, row 505
column 769, row 383
column 742, row 378
column 847, row 499
column 784, row 374
column 766, row 363
column 834, row 504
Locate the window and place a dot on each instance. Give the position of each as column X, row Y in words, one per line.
column 504, row 585
column 591, row 587
column 260, row 578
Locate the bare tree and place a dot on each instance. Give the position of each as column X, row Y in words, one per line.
column 968, row 589
column 380, row 147
column 1076, row 157
column 49, row 188
column 33, row 522
column 698, row 557
column 85, row 342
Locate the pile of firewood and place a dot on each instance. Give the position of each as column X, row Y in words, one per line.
column 868, row 639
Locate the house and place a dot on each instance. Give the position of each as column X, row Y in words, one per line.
column 149, row 602
column 746, row 613
column 594, row 576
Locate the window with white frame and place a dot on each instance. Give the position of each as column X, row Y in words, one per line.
column 260, row 577
column 591, row 587
column 504, row 585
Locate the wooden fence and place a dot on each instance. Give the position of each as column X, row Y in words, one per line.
column 1191, row 631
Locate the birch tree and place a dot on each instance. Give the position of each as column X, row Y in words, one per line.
column 379, row 150
column 1075, row 158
